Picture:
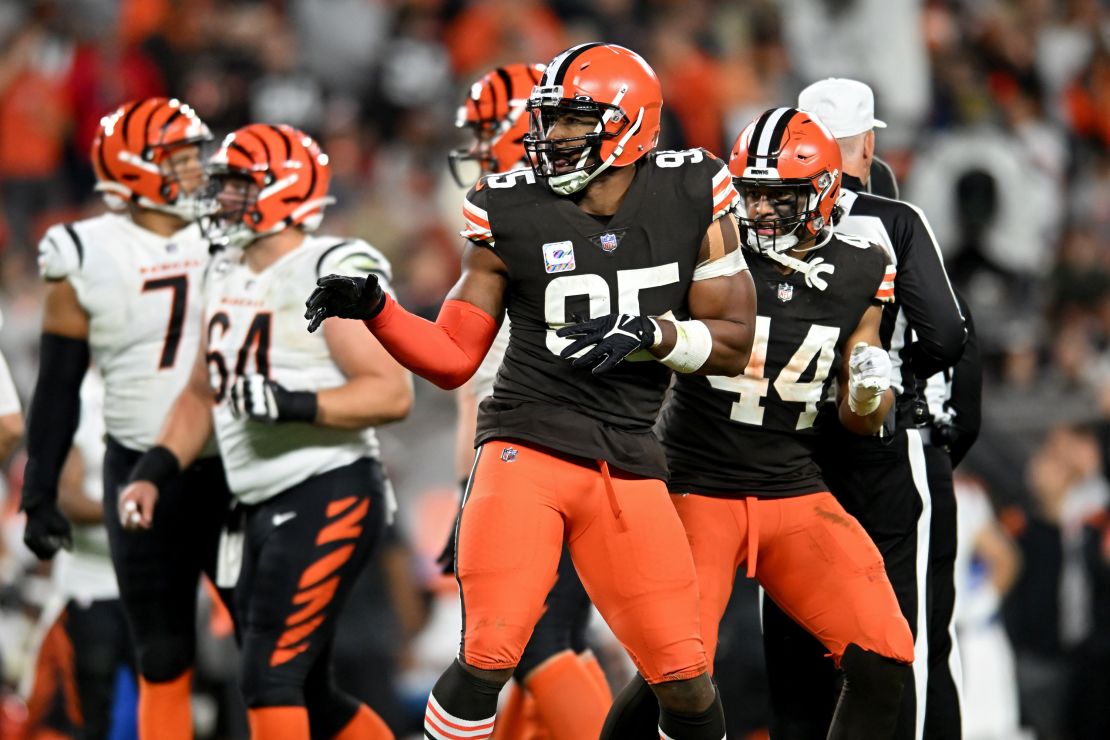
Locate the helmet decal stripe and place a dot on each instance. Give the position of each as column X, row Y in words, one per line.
column 173, row 117
column 126, row 125
column 145, row 130
column 492, row 99
column 561, row 71
column 510, row 93
column 765, row 142
column 777, row 134
column 267, row 154
column 756, row 133
column 284, row 140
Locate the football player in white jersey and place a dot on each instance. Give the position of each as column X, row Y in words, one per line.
column 293, row 414
column 557, row 668
column 124, row 287
column 85, row 644
column 11, row 412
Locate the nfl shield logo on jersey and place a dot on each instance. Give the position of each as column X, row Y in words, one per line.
column 558, row 256
column 785, row 292
column 608, row 242
column 508, row 454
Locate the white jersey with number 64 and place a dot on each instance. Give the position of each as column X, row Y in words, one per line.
column 255, row 325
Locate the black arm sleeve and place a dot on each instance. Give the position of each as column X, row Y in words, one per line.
column 966, row 398
column 926, row 296
column 54, row 415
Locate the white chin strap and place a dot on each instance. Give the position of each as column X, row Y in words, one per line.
column 572, row 182
column 812, row 269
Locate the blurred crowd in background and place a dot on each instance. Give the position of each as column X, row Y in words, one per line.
column 998, row 117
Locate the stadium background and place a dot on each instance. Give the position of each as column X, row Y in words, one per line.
column 999, row 128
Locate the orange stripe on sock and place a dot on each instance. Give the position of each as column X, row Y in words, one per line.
column 325, row 566
column 346, row 528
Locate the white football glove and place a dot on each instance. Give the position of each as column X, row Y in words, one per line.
column 868, row 378
column 259, row 398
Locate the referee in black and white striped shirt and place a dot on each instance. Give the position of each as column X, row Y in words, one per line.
column 884, row 481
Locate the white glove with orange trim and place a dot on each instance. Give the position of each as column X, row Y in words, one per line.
column 869, row 372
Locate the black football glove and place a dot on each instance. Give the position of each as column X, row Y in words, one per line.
column 346, row 297
column 614, row 337
column 261, row 399
column 47, row 530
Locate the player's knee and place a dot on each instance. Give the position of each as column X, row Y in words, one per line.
column 166, row 657
column 263, row 686
column 545, row 643
column 689, row 696
column 874, row 675
column 497, row 676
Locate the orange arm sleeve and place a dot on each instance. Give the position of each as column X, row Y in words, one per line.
column 447, row 352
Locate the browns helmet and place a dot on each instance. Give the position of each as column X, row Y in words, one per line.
column 139, row 155
column 604, row 81
column 788, row 157
column 266, row 178
column 494, row 115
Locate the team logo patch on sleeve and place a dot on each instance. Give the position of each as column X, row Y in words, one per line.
column 558, row 256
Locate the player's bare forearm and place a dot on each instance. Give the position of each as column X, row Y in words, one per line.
column 189, row 424
column 365, row 401
column 378, row 390
column 726, row 305
column 11, row 433
column 869, row 424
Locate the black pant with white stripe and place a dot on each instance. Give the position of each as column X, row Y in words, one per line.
column 889, row 486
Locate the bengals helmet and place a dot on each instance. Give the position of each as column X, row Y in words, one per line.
column 264, row 179
column 494, row 114
column 603, row 81
column 788, row 157
column 139, row 155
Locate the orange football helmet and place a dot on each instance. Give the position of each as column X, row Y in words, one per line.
column 137, row 156
column 788, row 157
column 266, row 178
column 605, row 81
column 494, row 113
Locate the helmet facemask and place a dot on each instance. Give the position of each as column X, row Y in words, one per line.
column 484, row 135
column 570, row 163
column 230, row 203
column 779, row 216
column 184, row 178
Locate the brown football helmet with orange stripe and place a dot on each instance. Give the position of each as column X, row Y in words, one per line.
column 494, row 114
column 788, row 157
column 147, row 152
column 609, row 82
column 266, row 178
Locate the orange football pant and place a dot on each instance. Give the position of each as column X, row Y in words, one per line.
column 625, row 539
column 810, row 555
